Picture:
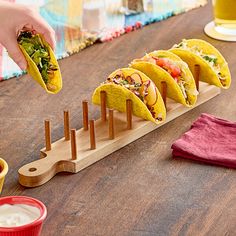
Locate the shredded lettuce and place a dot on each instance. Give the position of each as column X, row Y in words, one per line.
column 210, row 59
column 35, row 48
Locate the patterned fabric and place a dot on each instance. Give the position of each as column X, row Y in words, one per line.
column 80, row 23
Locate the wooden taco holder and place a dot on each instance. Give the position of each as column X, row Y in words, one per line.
column 97, row 139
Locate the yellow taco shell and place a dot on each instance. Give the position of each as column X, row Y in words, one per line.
column 55, row 84
column 207, row 73
column 117, row 95
column 158, row 74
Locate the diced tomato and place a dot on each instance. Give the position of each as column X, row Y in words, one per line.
column 175, row 71
column 170, row 68
column 163, row 62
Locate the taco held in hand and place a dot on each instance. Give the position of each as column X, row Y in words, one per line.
column 213, row 67
column 128, row 83
column 42, row 63
column 165, row 66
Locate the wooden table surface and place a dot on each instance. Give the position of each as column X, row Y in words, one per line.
column 140, row 189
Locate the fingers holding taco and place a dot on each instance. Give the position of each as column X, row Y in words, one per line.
column 42, row 63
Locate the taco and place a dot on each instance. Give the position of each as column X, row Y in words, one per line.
column 213, row 67
column 128, row 83
column 42, row 63
column 165, row 66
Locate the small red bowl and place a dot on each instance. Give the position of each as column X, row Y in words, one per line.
column 32, row 229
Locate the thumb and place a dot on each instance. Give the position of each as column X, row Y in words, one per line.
column 14, row 52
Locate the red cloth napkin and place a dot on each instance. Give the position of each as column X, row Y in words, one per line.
column 210, row 139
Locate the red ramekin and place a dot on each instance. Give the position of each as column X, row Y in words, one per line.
column 31, row 229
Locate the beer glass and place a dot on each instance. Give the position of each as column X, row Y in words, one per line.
column 225, row 16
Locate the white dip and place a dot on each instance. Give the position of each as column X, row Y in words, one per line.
column 17, row 214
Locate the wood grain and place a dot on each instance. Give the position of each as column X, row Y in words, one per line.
column 103, row 106
column 140, row 189
column 47, row 135
column 92, row 136
column 129, row 113
column 196, row 75
column 164, row 91
column 66, row 125
column 85, row 114
column 73, row 145
column 111, row 125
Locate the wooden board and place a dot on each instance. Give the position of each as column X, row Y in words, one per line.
column 58, row 159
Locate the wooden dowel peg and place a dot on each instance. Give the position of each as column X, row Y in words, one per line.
column 73, row 145
column 66, row 125
column 92, row 135
column 197, row 75
column 111, row 124
column 47, row 135
column 129, row 113
column 85, row 114
column 164, row 91
column 103, row 105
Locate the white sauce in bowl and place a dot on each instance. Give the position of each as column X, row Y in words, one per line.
column 17, row 214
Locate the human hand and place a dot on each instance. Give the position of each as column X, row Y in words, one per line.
column 14, row 18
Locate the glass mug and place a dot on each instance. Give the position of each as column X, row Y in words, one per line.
column 225, row 16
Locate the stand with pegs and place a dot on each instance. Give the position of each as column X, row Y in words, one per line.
column 85, row 114
column 129, row 113
column 92, row 135
column 73, row 145
column 111, row 124
column 196, row 75
column 80, row 149
column 47, row 135
column 164, row 91
column 66, row 125
column 103, row 106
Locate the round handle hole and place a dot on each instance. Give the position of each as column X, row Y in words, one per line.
column 32, row 169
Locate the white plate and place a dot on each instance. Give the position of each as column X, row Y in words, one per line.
column 211, row 31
